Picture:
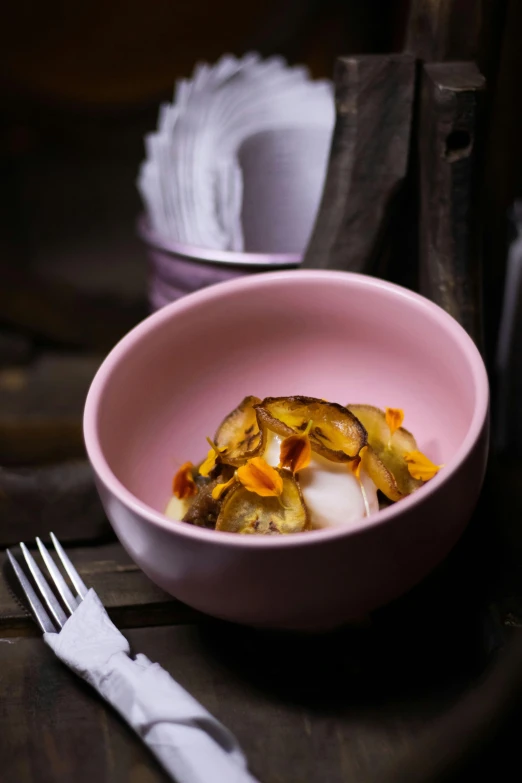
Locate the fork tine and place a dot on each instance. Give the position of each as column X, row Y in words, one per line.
column 61, row 585
column 73, row 574
column 39, row 613
column 52, row 603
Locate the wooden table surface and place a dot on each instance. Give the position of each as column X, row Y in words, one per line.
column 354, row 705
column 340, row 707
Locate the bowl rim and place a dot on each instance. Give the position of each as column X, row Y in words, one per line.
column 206, row 255
column 159, row 520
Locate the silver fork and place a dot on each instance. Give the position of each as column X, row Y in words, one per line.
column 52, row 617
column 191, row 744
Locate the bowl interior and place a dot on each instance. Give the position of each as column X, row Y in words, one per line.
column 342, row 337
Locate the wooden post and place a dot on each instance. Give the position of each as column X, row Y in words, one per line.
column 450, row 268
column 444, row 29
column 368, row 160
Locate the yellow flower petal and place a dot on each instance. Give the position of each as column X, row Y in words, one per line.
column 259, row 477
column 420, row 467
column 183, row 484
column 296, row 451
column 220, row 489
column 210, row 462
column 394, row 418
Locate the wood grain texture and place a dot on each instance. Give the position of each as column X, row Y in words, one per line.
column 368, row 161
column 58, row 313
column 41, row 408
column 449, row 134
column 300, row 713
column 61, row 498
column 129, row 596
column 380, row 704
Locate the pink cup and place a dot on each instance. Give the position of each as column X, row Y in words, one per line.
column 340, row 336
column 176, row 270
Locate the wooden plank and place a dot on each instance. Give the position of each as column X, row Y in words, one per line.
column 449, row 134
column 503, row 165
column 309, row 721
column 444, row 29
column 41, row 408
column 298, row 710
column 129, row 596
column 45, row 479
column 55, row 729
column 15, row 348
column 60, row 313
column 368, row 161
column 60, row 497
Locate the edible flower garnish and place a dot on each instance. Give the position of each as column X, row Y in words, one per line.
column 211, row 460
column 259, row 477
column 220, row 489
column 296, row 451
column 183, row 484
column 420, row 467
column 394, row 419
column 356, row 464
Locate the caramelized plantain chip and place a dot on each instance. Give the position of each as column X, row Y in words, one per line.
column 379, row 474
column 204, row 509
column 385, row 462
column 240, row 434
column 245, row 512
column 335, row 432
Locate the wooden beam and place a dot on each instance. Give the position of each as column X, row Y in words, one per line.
column 444, row 29
column 368, row 160
column 450, row 264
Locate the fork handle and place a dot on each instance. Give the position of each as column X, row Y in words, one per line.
column 192, row 745
column 189, row 742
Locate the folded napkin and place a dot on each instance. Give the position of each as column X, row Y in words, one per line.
column 189, row 742
column 242, row 128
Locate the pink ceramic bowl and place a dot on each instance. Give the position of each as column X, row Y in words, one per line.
column 344, row 337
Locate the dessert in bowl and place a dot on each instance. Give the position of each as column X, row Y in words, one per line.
column 325, row 335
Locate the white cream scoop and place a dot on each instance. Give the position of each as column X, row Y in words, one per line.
column 333, row 495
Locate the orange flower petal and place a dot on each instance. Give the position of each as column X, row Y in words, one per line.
column 394, row 418
column 259, row 477
column 420, row 467
column 356, row 464
column 183, row 484
column 296, row 451
column 220, row 489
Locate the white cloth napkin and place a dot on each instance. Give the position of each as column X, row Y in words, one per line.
column 199, row 162
column 189, row 742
